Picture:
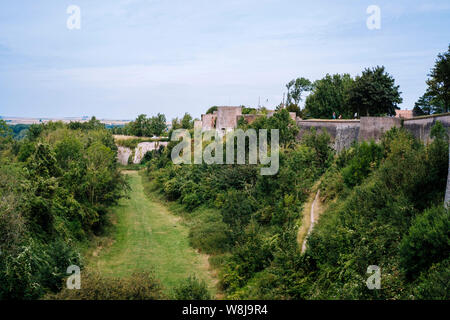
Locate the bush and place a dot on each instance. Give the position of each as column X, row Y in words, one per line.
column 94, row 286
column 435, row 283
column 191, row 289
column 366, row 158
column 331, row 185
column 427, row 241
column 209, row 234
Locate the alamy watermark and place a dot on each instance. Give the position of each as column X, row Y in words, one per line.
column 374, row 281
column 74, row 20
column 213, row 151
column 373, row 22
column 74, row 280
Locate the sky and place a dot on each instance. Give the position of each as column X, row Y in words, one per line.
column 133, row 57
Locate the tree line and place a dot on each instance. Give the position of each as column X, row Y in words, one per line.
column 373, row 93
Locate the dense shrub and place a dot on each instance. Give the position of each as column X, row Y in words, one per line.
column 427, row 241
column 191, row 289
column 54, row 190
column 209, row 233
column 366, row 158
column 94, row 286
column 435, row 283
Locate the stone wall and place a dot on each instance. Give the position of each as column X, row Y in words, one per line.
column 249, row 117
column 209, row 121
column 123, row 154
column 227, row 117
column 144, row 147
column 420, row 127
column 375, row 127
column 345, row 132
column 198, row 124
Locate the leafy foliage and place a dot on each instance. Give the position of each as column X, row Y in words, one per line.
column 384, row 207
column 329, row 95
column 374, row 93
column 191, row 289
column 436, row 98
column 139, row 286
column 55, row 187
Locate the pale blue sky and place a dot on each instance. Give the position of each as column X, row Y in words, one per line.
column 138, row 56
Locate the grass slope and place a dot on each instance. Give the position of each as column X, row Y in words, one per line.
column 148, row 237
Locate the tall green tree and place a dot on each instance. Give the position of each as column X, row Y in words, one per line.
column 329, row 95
column 5, row 130
column 374, row 93
column 157, row 124
column 436, row 99
column 296, row 88
column 139, row 127
column 187, row 122
column 423, row 106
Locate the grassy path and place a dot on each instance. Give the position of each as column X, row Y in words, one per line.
column 147, row 236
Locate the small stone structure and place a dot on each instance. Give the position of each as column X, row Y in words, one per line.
column 209, row 121
column 225, row 119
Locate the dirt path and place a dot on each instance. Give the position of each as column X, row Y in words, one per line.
column 313, row 218
column 148, row 237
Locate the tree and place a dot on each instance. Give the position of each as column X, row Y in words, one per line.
column 427, row 241
column 157, row 124
column 282, row 121
column 187, row 122
column 329, row 95
column 423, row 106
column 436, row 99
column 192, row 289
column 294, row 108
column 139, row 127
column 5, row 130
column 93, row 123
column 374, row 93
column 295, row 89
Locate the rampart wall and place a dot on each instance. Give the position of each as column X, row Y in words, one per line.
column 345, row 132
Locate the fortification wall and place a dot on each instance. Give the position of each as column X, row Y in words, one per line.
column 198, row 124
column 123, row 154
column 144, row 147
column 226, row 117
column 248, row 117
column 208, row 121
column 343, row 132
column 420, row 127
column 346, row 134
column 375, row 127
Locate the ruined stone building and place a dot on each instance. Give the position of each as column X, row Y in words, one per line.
column 226, row 119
